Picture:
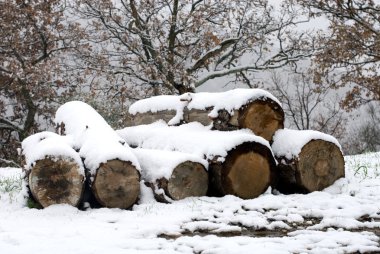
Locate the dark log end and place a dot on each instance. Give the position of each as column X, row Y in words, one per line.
column 263, row 117
column 189, row 179
column 245, row 173
column 56, row 181
column 116, row 184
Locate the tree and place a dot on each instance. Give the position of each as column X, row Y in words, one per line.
column 307, row 105
column 174, row 46
column 351, row 48
column 33, row 34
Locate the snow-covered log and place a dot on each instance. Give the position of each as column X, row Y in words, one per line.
column 112, row 169
column 53, row 169
column 173, row 175
column 255, row 109
column 240, row 162
column 308, row 161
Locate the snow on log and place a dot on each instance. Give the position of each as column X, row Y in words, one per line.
column 53, row 169
column 255, row 109
column 308, row 160
column 112, row 168
column 240, row 162
column 173, row 175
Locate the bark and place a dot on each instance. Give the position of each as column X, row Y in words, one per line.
column 319, row 165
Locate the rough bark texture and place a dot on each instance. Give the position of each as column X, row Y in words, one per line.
column 56, row 181
column 246, row 172
column 188, row 179
column 116, row 184
column 319, row 165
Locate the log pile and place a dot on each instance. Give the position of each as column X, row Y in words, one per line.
column 240, row 163
column 195, row 144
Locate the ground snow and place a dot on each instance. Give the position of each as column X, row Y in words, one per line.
column 341, row 219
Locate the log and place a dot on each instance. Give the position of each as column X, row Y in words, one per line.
column 116, row 184
column 53, row 169
column 254, row 109
column 311, row 162
column 56, row 181
column 240, row 163
column 246, row 172
column 263, row 117
column 112, row 169
column 173, row 175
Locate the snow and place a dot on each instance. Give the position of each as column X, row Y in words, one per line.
column 191, row 138
column 343, row 218
column 230, row 100
column 156, row 164
column 96, row 140
column 48, row 144
column 289, row 143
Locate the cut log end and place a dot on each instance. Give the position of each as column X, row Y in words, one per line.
column 189, row 179
column 246, row 172
column 56, row 181
column 116, row 184
column 264, row 118
column 320, row 164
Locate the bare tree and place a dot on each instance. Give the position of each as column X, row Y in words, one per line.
column 33, row 34
column 365, row 137
column 174, row 46
column 351, row 48
column 307, row 105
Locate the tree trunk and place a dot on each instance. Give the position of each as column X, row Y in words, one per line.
column 188, row 179
column 116, row 184
column 319, row 164
column 245, row 172
column 56, row 181
column 263, row 117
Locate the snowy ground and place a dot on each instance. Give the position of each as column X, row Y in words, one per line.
column 344, row 218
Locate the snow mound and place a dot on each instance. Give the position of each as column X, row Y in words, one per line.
column 288, row 143
column 191, row 138
column 44, row 144
column 94, row 137
column 156, row 164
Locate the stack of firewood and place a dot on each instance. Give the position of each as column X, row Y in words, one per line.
column 180, row 146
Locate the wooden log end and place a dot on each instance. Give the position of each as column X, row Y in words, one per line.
column 189, row 179
column 246, row 172
column 116, row 184
column 263, row 117
column 319, row 165
column 56, row 181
